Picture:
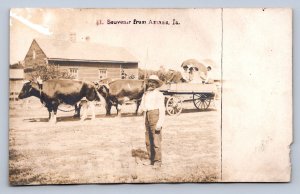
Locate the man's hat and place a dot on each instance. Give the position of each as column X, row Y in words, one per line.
column 156, row 79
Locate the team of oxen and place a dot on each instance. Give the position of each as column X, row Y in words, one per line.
column 79, row 94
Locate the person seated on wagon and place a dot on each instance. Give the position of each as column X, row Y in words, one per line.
column 195, row 75
column 208, row 79
column 185, row 74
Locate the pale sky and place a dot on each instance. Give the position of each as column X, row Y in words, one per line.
column 198, row 36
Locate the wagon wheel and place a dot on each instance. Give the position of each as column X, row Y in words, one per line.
column 174, row 106
column 201, row 101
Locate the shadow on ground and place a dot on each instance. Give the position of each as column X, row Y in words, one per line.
column 126, row 115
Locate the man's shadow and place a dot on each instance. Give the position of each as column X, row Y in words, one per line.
column 194, row 110
column 59, row 119
column 139, row 155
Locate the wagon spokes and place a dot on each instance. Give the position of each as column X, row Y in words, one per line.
column 174, row 106
column 201, row 101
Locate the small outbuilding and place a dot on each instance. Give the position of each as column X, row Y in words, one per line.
column 16, row 77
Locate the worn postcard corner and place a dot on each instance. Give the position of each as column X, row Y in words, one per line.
column 150, row 95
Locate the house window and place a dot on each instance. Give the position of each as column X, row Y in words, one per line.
column 123, row 74
column 102, row 73
column 33, row 54
column 74, row 72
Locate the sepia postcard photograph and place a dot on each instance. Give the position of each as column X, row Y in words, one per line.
column 149, row 95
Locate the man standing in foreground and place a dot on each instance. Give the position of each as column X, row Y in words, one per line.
column 153, row 107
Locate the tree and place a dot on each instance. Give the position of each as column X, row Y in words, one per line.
column 161, row 73
column 48, row 71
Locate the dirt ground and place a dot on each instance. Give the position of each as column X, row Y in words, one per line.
column 104, row 150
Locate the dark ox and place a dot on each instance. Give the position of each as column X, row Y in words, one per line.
column 57, row 91
column 118, row 92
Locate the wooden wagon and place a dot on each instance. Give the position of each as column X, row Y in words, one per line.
column 201, row 95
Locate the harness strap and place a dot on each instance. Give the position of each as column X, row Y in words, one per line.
column 40, row 91
column 66, row 110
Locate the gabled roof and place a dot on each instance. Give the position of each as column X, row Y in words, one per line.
column 83, row 51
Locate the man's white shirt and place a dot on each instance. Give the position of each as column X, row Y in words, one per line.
column 152, row 100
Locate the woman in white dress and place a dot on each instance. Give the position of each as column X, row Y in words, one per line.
column 195, row 75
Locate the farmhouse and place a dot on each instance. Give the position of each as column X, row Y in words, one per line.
column 83, row 60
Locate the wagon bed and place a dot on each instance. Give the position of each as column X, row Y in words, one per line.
column 188, row 88
column 200, row 94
